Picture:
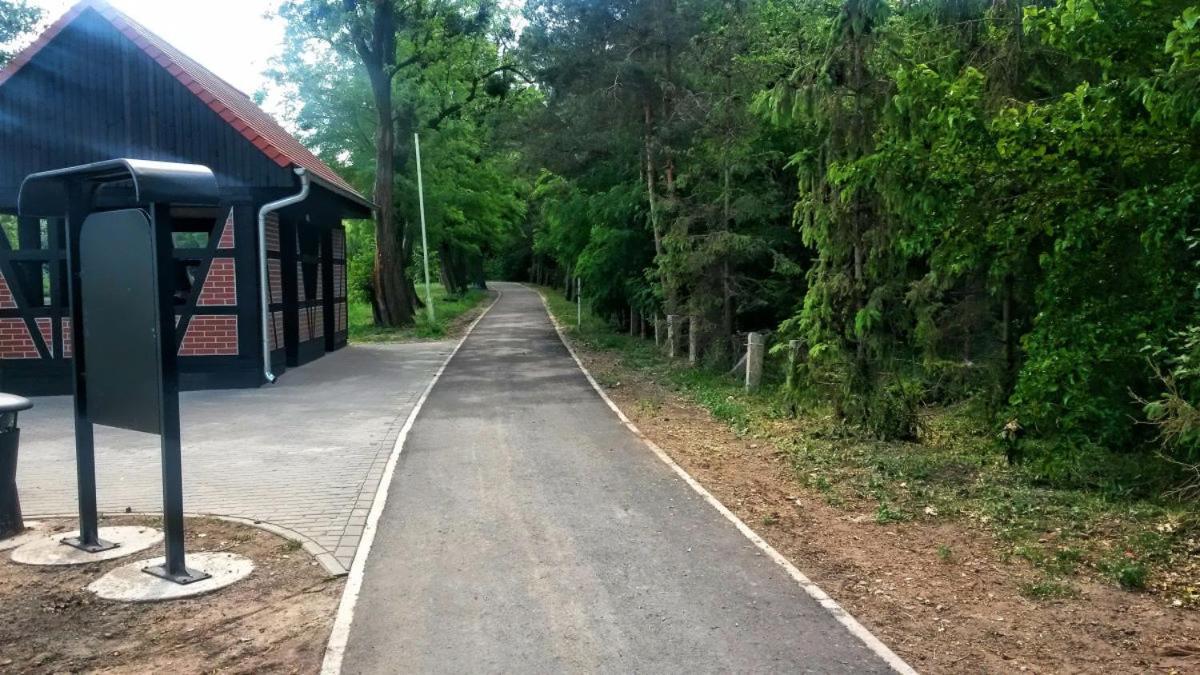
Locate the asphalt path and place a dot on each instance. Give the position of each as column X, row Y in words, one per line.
column 528, row 530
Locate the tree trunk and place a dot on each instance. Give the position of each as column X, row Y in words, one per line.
column 651, row 192
column 446, row 258
column 1008, row 335
column 478, row 273
column 726, row 286
column 393, row 292
column 670, row 301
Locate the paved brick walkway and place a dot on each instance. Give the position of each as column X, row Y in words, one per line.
column 305, row 454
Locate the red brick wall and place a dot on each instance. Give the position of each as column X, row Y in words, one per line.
column 275, row 275
column 68, row 345
column 207, row 335
column 300, row 297
column 6, row 296
column 312, row 323
column 220, row 287
column 46, row 328
column 338, row 250
column 15, row 340
column 339, row 281
column 339, row 291
column 272, row 232
column 227, row 241
column 274, row 281
column 211, row 335
column 276, row 335
column 339, row 244
column 339, row 317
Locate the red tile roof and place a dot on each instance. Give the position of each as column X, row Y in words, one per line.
column 223, row 98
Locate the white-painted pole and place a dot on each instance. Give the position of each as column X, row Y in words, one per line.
column 424, row 237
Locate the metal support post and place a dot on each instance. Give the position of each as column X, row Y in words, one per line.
column 85, row 445
column 175, row 567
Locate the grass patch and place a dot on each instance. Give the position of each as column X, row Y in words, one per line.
column 1048, row 589
column 447, row 308
column 886, row 514
column 1136, row 538
column 944, row 553
column 1129, row 574
column 290, row 546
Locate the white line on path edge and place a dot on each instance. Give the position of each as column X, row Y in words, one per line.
column 814, row 591
column 335, row 651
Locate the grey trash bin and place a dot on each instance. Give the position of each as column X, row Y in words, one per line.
column 11, row 523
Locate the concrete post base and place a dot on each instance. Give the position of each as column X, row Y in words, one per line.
column 49, row 549
column 131, row 583
column 33, row 530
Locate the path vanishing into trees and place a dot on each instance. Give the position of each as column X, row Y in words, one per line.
column 528, row 530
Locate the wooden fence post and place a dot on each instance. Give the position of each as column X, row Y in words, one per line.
column 794, row 349
column 672, row 335
column 693, row 339
column 754, row 360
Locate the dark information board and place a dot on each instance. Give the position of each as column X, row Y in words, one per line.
column 120, row 320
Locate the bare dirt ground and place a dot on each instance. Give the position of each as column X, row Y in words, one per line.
column 276, row 621
column 958, row 613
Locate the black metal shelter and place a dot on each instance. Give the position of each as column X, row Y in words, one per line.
column 118, row 220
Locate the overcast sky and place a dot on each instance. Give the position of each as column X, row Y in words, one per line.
column 232, row 38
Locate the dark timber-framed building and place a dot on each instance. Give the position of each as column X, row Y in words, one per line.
column 98, row 86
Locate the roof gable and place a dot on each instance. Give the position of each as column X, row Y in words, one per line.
column 233, row 106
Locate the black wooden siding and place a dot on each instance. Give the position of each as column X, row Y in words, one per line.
column 91, row 94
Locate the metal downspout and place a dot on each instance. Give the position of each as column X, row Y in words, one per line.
column 264, row 282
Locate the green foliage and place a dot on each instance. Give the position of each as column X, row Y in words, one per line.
column 441, row 71
column 17, row 19
column 944, row 553
column 1102, row 515
column 895, row 410
column 1131, row 575
column 660, row 189
column 360, row 260
column 1176, row 411
column 1048, row 589
column 1010, row 191
column 448, row 311
column 886, row 514
column 988, row 206
column 8, row 229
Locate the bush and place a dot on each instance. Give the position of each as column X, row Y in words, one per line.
column 955, row 381
column 1176, row 411
column 360, row 260
column 1131, row 575
column 894, row 413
